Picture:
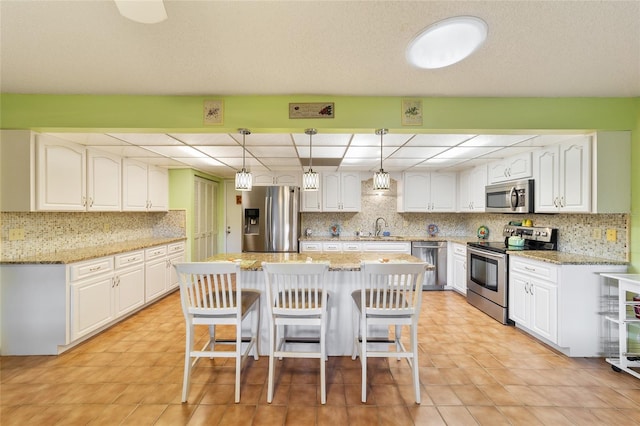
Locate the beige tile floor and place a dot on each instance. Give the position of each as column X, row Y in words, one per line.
column 473, row 370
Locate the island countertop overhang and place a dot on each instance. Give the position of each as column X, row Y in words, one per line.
column 337, row 261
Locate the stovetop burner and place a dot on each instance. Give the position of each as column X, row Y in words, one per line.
column 535, row 238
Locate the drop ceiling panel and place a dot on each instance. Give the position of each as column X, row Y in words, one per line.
column 418, row 152
column 201, row 162
column 91, row 139
column 146, row 138
column 322, row 151
column 324, row 139
column 273, row 151
column 368, row 152
column 271, row 139
column 390, row 139
column 438, row 139
column 466, row 152
column 176, row 151
column 269, row 161
column 496, row 140
column 223, row 151
column 205, row 138
column 129, row 151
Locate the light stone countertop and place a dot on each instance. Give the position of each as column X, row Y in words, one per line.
column 88, row 253
column 562, row 258
column 338, row 261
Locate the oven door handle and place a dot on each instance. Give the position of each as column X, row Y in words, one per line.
column 487, row 254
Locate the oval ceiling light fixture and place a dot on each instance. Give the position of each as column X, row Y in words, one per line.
column 447, row 42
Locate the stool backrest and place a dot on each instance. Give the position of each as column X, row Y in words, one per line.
column 296, row 288
column 391, row 288
column 209, row 288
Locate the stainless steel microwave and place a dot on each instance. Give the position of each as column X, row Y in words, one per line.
column 510, row 197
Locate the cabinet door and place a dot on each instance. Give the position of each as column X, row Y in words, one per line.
column 287, row 178
column 350, row 191
column 477, row 184
column 519, row 299
column 460, row 273
column 311, row 246
column 158, row 189
column 416, row 191
column 519, row 166
column 497, row 171
column 443, row 192
column 544, row 314
column 129, row 289
column 91, row 305
column 61, row 175
column 172, row 276
column 134, row 186
column 331, row 192
column 464, row 191
column 546, row 169
column 155, row 278
column 263, row 179
column 104, row 181
column 311, row 200
column 575, row 176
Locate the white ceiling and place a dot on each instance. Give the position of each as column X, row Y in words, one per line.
column 356, row 48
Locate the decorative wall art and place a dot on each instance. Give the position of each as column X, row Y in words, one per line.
column 412, row 112
column 312, row 110
column 213, row 112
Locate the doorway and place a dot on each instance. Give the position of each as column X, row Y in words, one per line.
column 205, row 219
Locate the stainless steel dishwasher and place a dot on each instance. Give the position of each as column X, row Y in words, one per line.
column 435, row 253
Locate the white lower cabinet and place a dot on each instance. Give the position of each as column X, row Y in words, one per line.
column 558, row 304
column 310, row 246
column 175, row 254
column 155, row 272
column 458, row 269
column 91, row 304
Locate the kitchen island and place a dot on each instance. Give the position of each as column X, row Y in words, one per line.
column 342, row 279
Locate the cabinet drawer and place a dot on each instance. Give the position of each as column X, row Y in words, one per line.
column 351, row 247
column 175, row 247
column 90, row 268
column 131, row 258
column 331, row 247
column 155, row 252
column 459, row 249
column 311, row 247
column 388, row 247
column 534, row 269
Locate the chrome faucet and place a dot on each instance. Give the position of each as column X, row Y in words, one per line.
column 378, row 227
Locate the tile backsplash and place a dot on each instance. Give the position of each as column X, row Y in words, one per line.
column 575, row 231
column 47, row 232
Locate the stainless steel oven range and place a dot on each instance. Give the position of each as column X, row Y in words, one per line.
column 488, row 266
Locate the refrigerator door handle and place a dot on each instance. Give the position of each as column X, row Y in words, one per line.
column 268, row 231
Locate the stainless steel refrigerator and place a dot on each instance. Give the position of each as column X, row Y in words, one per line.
column 271, row 219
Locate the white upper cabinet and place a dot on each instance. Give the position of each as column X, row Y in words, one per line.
column 512, row 168
column 311, row 201
column 276, row 178
column 427, row 192
column 563, row 177
column 144, row 187
column 471, row 189
column 104, row 181
column 341, row 192
column 60, row 175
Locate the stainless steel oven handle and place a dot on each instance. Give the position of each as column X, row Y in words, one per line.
column 486, row 253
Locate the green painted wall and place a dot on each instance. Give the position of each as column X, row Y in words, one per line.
column 357, row 114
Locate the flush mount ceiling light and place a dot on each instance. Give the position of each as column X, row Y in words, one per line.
column 447, row 42
column 310, row 179
column 244, row 180
column 142, row 11
column 381, row 179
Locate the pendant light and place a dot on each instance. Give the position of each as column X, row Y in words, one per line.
column 381, row 179
column 244, row 179
column 310, row 179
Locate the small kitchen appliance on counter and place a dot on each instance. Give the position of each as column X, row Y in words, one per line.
column 488, row 266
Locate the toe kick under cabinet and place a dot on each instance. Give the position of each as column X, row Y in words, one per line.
column 49, row 308
column 559, row 304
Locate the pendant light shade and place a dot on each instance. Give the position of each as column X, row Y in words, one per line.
column 244, row 180
column 310, row 179
column 381, row 179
